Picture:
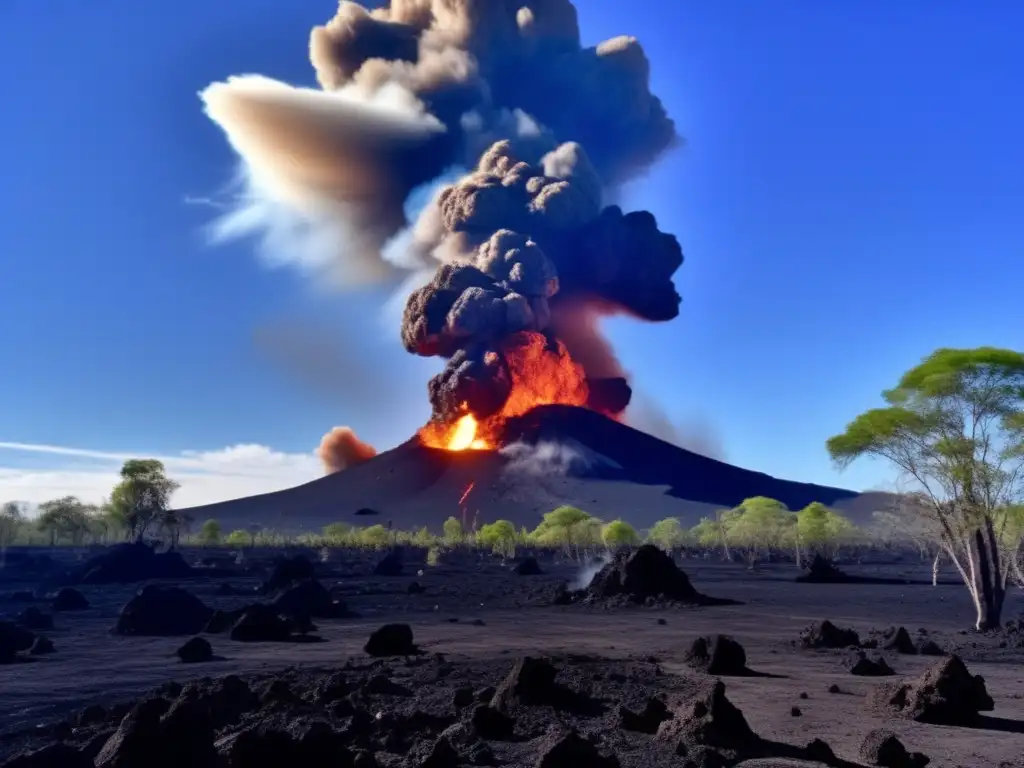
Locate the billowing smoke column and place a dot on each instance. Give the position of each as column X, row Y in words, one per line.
column 527, row 257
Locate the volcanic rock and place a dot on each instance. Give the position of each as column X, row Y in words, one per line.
column 51, row 756
column 309, row 599
column 822, row 571
column 13, row 640
column 930, row 648
column 883, row 748
column 711, row 720
column 492, row 724
column 945, row 694
column 718, row 655
column 570, row 750
column 415, row 588
column 137, row 740
column 391, row 640
column 645, row 573
column 34, row 619
column 128, row 563
column 41, row 646
column 288, row 571
column 865, row 667
column 898, row 640
column 195, row 651
column 260, row 623
column 531, row 682
column 528, row 566
column 390, row 564
column 69, row 599
column 157, row 610
column 828, row 635
column 655, row 712
column 442, row 755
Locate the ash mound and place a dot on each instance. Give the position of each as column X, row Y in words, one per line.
column 945, row 694
column 408, row 483
column 646, row 575
column 129, row 563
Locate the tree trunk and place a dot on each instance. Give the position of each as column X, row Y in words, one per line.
column 989, row 591
column 935, row 568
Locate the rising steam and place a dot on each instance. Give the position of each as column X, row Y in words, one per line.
column 527, row 256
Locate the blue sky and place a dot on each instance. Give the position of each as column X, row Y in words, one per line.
column 847, row 199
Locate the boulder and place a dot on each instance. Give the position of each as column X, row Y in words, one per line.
column 647, row 572
column 391, row 640
column 195, row 651
column 309, row 599
column 528, row 566
column 13, row 640
column 69, row 599
column 129, row 563
column 828, row 635
column 897, row 639
column 865, row 667
column 289, row 571
column 570, row 750
column 883, row 748
column 34, row 619
column 718, row 655
column 166, row 611
column 41, row 646
column 261, row 623
column 390, row 565
column 55, row 755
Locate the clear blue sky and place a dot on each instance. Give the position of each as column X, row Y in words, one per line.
column 849, row 198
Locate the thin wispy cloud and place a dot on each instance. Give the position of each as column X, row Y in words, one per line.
column 205, row 476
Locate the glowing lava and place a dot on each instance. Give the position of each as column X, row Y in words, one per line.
column 542, row 373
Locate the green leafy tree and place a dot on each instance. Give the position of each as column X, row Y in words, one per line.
column 143, row 495
column 667, row 534
column 422, row 538
column 238, row 538
column 619, row 533
column 452, row 532
column 954, row 427
column 375, row 536
column 10, row 521
column 758, row 524
column 210, row 533
column 338, row 534
column 710, row 532
column 568, row 527
column 66, row 517
column 499, row 536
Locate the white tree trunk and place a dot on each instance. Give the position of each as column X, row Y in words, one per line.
column 935, row 568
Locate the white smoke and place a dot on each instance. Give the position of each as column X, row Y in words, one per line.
column 588, row 570
column 551, row 458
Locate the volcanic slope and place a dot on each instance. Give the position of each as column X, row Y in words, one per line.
column 553, row 455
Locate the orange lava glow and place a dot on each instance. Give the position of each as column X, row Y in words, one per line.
column 541, row 375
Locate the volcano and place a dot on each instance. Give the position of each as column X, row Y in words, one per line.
column 552, row 455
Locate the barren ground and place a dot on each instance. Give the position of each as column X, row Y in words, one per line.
column 93, row 666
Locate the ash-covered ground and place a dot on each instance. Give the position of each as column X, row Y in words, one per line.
column 628, row 679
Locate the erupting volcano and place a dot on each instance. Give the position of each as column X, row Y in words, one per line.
column 525, row 253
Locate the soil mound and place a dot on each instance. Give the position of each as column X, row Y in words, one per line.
column 309, row 599
column 390, row 565
column 260, row 623
column 828, row 635
column 862, row 666
column 528, row 566
column 69, row 599
column 391, row 640
column 128, row 563
column 195, row 651
column 822, row 571
column 646, row 575
column 13, row 640
column 898, row 639
column 157, row 610
column 288, row 571
column 718, row 655
column 945, row 694
column 883, row 748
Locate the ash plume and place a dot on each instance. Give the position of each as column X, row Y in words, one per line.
column 527, row 255
column 340, row 449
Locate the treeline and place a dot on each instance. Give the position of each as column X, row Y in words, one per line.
column 756, row 529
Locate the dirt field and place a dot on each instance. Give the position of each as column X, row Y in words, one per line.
column 485, row 616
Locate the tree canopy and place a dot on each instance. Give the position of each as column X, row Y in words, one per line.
column 954, row 426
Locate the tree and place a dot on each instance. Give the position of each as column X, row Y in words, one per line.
column 376, row 536
column 619, row 533
column 64, row 517
column 713, row 532
column 210, row 533
column 10, row 521
column 568, row 527
column 453, row 533
column 759, row 523
column 822, row 529
column 500, row 536
column 143, row 495
column 237, row 538
column 337, row 534
column 954, row 426
column 667, row 534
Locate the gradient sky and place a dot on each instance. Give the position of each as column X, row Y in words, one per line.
column 848, row 199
